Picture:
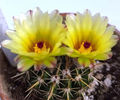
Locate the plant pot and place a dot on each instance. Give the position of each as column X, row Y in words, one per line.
column 4, row 94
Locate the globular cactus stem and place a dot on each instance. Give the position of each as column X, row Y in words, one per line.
column 65, row 82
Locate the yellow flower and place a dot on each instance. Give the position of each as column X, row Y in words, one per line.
column 89, row 37
column 36, row 39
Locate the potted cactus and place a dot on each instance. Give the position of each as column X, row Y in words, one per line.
column 61, row 56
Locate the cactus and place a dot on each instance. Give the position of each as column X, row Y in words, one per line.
column 64, row 52
column 67, row 81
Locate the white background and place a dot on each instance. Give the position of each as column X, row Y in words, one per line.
column 109, row 8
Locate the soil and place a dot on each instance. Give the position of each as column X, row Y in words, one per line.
column 111, row 90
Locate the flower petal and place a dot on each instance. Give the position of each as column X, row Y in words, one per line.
column 25, row 64
column 85, row 28
column 103, row 56
column 12, row 46
column 50, row 62
column 84, row 62
column 86, row 25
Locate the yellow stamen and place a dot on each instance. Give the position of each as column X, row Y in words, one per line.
column 37, row 49
column 85, row 47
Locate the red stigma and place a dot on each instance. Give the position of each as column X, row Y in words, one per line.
column 40, row 44
column 86, row 44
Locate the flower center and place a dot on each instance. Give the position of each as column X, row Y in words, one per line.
column 40, row 46
column 86, row 44
column 85, row 47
